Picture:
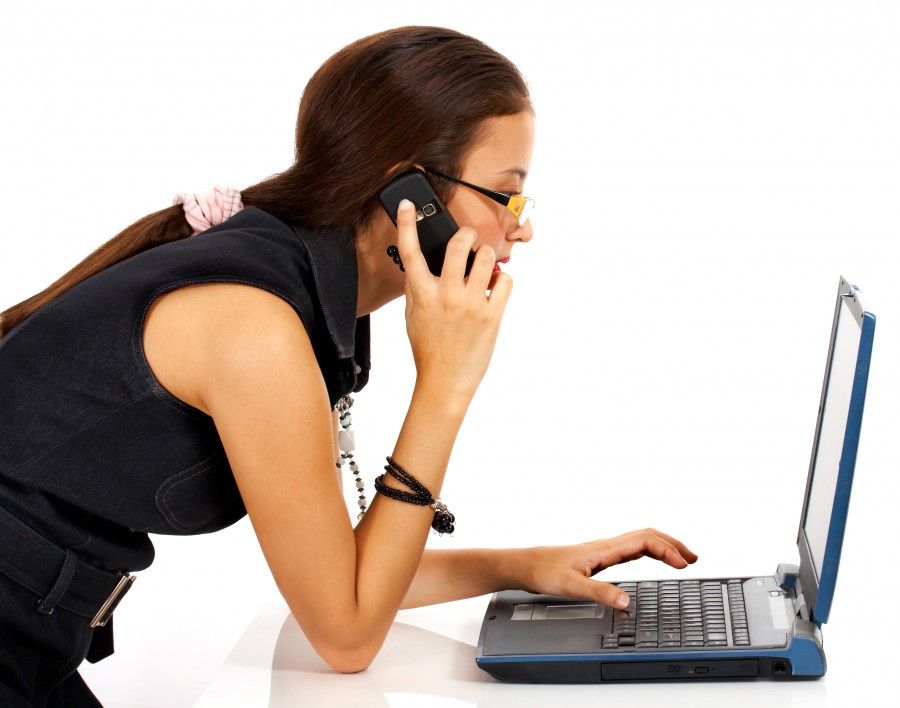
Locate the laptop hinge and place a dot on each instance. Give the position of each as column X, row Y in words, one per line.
column 800, row 608
column 788, row 577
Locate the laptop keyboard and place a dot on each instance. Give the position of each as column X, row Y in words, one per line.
column 680, row 613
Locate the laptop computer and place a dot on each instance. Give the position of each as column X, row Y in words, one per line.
column 710, row 628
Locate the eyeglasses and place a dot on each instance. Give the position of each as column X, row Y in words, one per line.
column 518, row 204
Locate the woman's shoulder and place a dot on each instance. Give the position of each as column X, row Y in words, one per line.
column 192, row 331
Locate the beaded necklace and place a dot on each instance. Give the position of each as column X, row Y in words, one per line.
column 347, row 443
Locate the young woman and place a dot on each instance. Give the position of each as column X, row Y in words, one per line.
column 191, row 370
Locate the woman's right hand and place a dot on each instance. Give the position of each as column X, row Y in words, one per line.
column 451, row 324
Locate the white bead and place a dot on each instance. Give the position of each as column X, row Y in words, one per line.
column 347, row 440
column 360, row 484
column 362, row 503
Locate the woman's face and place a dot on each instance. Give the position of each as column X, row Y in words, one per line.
column 501, row 163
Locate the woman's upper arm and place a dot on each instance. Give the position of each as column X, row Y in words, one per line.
column 265, row 393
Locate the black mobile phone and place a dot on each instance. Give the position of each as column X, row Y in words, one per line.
column 434, row 223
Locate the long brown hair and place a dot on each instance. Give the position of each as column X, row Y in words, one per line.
column 384, row 102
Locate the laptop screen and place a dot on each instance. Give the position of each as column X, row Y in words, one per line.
column 831, row 437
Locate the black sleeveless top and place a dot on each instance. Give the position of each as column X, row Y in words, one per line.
column 94, row 452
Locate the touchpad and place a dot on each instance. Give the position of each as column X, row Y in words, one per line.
column 571, row 611
column 547, row 611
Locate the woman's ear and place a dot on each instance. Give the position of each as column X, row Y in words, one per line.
column 399, row 167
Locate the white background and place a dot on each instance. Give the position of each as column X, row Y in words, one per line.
column 703, row 173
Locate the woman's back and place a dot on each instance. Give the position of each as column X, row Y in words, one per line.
column 95, row 452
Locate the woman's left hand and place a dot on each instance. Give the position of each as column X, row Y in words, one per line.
column 567, row 570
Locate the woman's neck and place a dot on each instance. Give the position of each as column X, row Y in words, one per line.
column 379, row 279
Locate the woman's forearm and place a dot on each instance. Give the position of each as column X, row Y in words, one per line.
column 450, row 574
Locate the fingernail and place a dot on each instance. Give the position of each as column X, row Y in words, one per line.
column 405, row 205
column 623, row 601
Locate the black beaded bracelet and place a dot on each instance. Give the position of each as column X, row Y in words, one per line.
column 402, row 475
column 398, row 494
column 443, row 519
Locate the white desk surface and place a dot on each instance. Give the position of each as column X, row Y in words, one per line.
column 428, row 659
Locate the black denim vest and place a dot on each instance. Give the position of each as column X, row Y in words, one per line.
column 94, row 452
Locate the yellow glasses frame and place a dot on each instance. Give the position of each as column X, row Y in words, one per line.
column 520, row 205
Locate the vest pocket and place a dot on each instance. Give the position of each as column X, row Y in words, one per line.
column 190, row 499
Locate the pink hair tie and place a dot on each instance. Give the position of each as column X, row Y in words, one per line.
column 206, row 210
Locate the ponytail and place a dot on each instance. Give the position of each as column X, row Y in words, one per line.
column 155, row 229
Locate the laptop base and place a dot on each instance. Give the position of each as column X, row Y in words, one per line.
column 800, row 657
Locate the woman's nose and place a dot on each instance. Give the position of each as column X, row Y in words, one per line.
column 522, row 233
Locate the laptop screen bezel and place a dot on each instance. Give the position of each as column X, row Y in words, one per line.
column 818, row 589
